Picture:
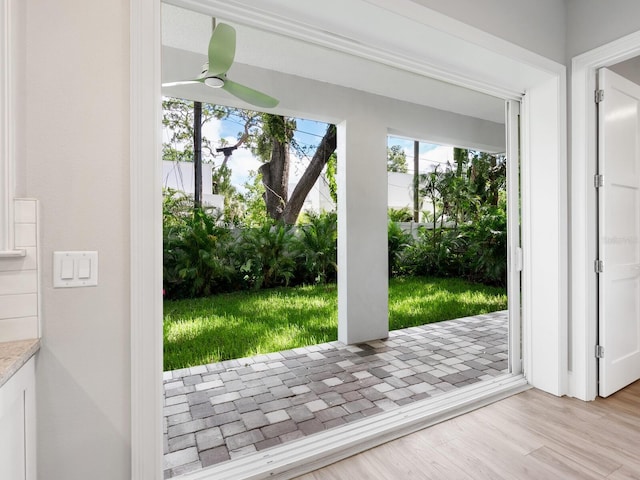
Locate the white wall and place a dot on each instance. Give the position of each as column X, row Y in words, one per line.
column 629, row 69
column 180, row 176
column 400, row 190
column 76, row 162
column 592, row 23
column 537, row 25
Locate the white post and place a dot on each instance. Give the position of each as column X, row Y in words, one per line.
column 362, row 231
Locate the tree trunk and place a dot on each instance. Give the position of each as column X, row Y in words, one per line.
column 416, row 181
column 494, row 188
column 310, row 176
column 275, row 177
column 460, row 155
column 197, row 154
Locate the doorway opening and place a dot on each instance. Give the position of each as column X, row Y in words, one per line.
column 139, row 363
column 220, row 411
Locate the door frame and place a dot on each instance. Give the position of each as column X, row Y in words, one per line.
column 513, row 71
column 583, row 323
column 514, row 242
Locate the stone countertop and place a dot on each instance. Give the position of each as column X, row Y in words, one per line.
column 15, row 354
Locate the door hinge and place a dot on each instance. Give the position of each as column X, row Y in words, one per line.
column 599, row 96
column 598, row 181
column 598, row 266
column 599, row 351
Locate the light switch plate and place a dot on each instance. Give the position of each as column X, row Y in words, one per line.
column 75, row 269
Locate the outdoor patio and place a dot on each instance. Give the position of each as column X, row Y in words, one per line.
column 221, row 411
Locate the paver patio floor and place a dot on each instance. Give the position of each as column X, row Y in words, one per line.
column 221, row 411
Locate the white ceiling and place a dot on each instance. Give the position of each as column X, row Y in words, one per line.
column 189, row 31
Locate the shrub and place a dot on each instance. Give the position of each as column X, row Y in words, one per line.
column 266, row 255
column 486, row 254
column 434, row 253
column 397, row 242
column 400, row 214
column 195, row 251
column 318, row 248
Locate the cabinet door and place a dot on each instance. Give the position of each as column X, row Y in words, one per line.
column 12, row 435
column 17, row 426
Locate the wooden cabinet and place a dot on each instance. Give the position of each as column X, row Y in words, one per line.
column 18, row 425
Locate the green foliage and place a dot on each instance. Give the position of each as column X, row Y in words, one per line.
column 195, row 251
column 178, row 121
column 274, row 128
column 467, row 238
column 255, row 213
column 213, row 329
column 400, row 214
column 331, row 172
column 397, row 242
column 486, row 255
column 396, row 159
column 467, row 211
column 317, row 238
column 267, row 254
column 476, row 250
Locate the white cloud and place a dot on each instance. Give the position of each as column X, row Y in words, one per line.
column 437, row 156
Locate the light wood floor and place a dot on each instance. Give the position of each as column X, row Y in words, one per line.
column 530, row 435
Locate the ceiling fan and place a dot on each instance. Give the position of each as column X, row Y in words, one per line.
column 222, row 50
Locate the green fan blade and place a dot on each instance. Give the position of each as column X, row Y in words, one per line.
column 222, row 49
column 249, row 95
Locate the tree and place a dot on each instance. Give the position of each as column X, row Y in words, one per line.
column 197, row 154
column 396, row 159
column 185, row 143
column 273, row 145
column 270, row 137
column 323, row 153
column 178, row 118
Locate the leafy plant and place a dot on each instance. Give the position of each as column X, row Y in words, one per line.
column 400, row 214
column 398, row 241
column 486, row 254
column 195, row 251
column 318, row 248
column 267, row 255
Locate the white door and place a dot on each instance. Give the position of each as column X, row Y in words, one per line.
column 618, row 231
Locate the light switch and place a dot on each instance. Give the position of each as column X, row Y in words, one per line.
column 75, row 269
column 84, row 268
column 66, row 270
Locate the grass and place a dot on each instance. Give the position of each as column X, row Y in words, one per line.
column 242, row 324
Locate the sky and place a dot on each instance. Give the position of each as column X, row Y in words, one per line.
column 308, row 134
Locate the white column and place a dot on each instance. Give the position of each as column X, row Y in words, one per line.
column 362, row 231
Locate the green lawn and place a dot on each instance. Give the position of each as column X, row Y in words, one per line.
column 242, row 324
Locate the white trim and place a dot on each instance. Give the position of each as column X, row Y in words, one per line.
column 7, row 173
column 325, row 448
column 584, row 323
column 544, row 236
column 275, row 18
column 146, row 242
column 525, row 214
column 512, row 130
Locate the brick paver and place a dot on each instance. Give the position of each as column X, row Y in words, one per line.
column 222, row 411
